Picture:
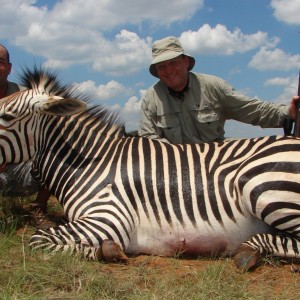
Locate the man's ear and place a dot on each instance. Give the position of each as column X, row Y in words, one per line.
column 9, row 68
column 187, row 61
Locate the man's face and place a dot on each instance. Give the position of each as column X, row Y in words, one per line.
column 5, row 66
column 174, row 72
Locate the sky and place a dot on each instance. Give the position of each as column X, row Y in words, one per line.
column 104, row 47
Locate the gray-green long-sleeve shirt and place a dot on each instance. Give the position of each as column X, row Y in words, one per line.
column 200, row 115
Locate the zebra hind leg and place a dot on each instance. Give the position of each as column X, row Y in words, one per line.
column 246, row 257
column 277, row 245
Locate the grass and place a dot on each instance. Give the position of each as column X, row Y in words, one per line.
column 12, row 214
column 28, row 275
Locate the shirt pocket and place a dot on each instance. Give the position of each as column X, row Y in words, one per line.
column 170, row 126
column 207, row 115
column 208, row 124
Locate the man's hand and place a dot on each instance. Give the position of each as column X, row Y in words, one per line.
column 293, row 108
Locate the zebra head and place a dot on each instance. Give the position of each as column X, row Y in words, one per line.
column 22, row 113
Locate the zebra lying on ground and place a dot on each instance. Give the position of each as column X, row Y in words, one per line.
column 133, row 195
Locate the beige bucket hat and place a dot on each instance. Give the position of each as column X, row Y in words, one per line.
column 165, row 49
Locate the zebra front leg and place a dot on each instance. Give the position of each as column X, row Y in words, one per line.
column 110, row 251
column 261, row 245
column 57, row 239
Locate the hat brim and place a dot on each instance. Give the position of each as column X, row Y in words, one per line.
column 168, row 56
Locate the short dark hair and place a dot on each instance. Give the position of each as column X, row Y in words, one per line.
column 7, row 53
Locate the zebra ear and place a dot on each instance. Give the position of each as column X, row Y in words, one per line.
column 64, row 107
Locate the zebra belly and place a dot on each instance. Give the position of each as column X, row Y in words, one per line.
column 201, row 240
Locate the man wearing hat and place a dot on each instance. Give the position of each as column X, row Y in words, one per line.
column 187, row 107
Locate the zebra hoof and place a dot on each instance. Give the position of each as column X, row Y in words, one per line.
column 110, row 251
column 246, row 258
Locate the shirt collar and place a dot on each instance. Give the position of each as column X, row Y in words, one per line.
column 179, row 94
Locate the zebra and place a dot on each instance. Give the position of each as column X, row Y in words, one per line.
column 125, row 195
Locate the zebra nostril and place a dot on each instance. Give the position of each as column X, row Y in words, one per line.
column 7, row 117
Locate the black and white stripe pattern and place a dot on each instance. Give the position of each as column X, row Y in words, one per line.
column 149, row 196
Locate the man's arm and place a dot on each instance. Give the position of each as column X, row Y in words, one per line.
column 253, row 110
column 148, row 127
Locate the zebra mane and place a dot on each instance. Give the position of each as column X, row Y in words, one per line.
column 47, row 80
column 106, row 117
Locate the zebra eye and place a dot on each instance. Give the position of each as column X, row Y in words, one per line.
column 7, row 118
